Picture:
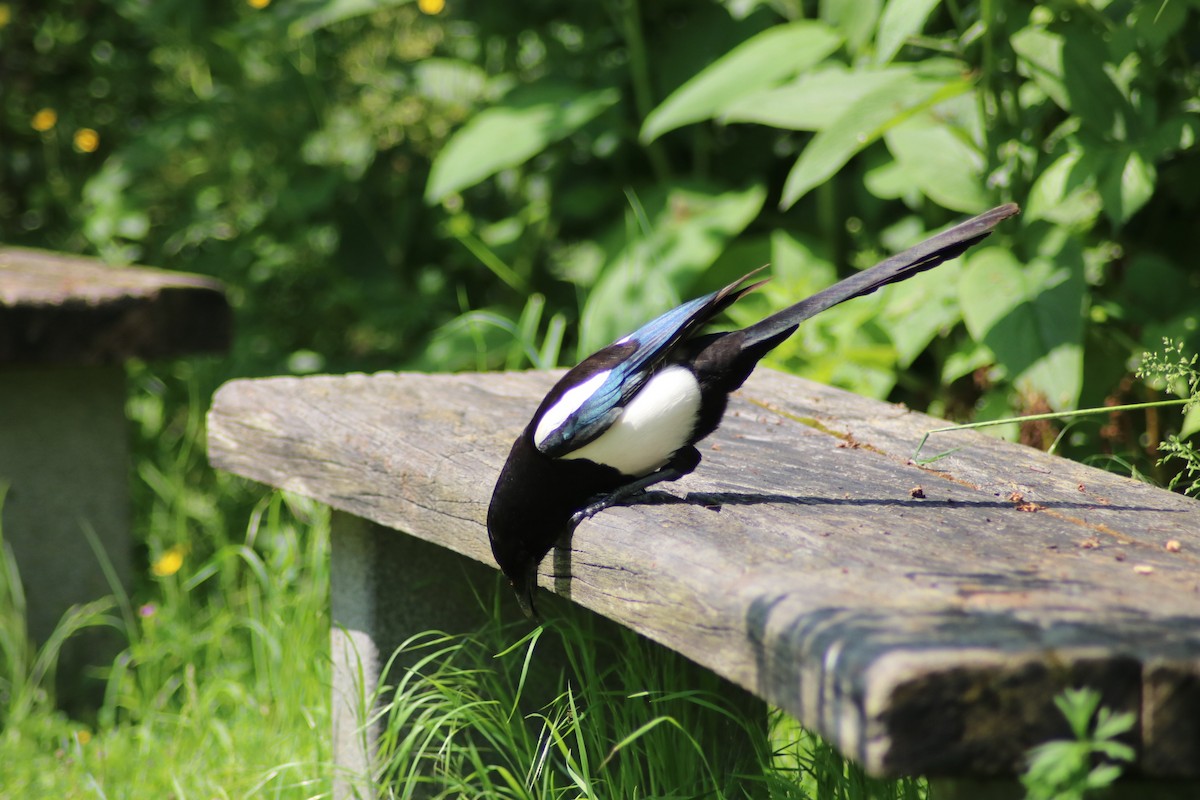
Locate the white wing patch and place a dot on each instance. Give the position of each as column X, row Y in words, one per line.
column 657, row 421
column 567, row 405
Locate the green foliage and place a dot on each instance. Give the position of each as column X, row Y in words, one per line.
column 762, row 61
column 804, row 766
column 1066, row 769
column 680, row 230
column 211, row 696
column 459, row 719
column 1175, row 371
column 389, row 184
column 510, row 132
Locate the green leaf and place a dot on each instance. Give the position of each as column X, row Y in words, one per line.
column 1065, row 192
column 1030, row 317
column 1150, row 291
column 449, row 80
column 739, row 256
column 1040, row 55
column 916, row 310
column 799, row 268
column 892, row 180
column 843, row 346
column 814, row 100
column 1191, row 423
column 862, row 125
column 1110, row 725
column 1127, row 185
column 762, row 61
column 1069, row 68
column 947, row 169
column 990, row 289
column 685, row 230
column 1157, row 22
column 519, row 127
column 968, row 358
column 344, row 140
column 855, row 19
column 1178, row 132
column 308, row 16
column 1105, row 774
column 901, row 19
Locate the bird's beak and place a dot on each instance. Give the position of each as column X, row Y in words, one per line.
column 524, row 588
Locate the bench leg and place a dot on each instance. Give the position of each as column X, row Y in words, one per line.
column 64, row 455
column 386, row 587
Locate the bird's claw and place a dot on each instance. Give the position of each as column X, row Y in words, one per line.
column 588, row 512
column 601, row 502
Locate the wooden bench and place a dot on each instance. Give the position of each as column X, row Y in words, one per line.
column 67, row 325
column 920, row 618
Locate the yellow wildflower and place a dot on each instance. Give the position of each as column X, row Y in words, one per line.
column 168, row 563
column 44, row 120
column 83, row 736
column 86, row 140
column 431, row 7
column 259, row 3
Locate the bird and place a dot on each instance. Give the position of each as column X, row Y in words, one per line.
column 629, row 416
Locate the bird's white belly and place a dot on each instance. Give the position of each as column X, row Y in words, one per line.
column 657, row 421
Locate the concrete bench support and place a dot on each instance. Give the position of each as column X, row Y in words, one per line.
column 385, row 589
column 65, row 458
column 67, row 325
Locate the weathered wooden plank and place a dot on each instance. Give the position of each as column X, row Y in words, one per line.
column 921, row 635
column 56, row 308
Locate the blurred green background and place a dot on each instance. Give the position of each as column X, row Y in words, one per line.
column 432, row 185
column 390, row 184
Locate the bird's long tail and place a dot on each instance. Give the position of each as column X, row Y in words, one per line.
column 926, row 255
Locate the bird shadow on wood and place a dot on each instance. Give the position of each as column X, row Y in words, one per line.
column 715, row 500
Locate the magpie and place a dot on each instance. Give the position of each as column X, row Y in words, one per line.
column 630, row 415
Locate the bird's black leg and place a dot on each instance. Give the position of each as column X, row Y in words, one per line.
column 682, row 463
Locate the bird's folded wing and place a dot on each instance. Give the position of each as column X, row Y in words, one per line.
column 653, row 342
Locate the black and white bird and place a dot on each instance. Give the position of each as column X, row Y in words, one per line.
column 630, row 415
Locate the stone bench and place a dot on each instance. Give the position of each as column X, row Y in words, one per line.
column 67, row 325
column 921, row 618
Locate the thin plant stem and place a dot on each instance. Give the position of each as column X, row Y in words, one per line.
column 643, row 92
column 492, row 261
column 1032, row 418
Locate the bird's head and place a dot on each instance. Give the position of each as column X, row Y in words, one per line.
column 516, row 561
column 531, row 509
column 527, row 515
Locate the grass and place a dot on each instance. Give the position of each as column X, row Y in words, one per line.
column 513, row 725
column 222, row 689
column 220, row 692
column 581, row 708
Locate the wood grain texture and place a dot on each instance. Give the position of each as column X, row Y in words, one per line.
column 921, row 635
column 61, row 308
